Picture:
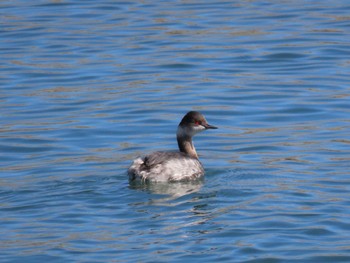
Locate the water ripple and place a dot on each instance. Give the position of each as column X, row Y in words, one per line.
column 88, row 86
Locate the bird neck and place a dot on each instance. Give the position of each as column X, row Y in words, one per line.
column 185, row 143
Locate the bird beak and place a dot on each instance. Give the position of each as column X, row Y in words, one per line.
column 208, row 126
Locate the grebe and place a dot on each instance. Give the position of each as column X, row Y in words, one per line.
column 174, row 166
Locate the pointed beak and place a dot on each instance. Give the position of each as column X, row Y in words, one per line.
column 208, row 126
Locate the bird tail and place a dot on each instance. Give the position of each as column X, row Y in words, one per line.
column 134, row 169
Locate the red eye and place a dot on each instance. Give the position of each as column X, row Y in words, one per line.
column 197, row 122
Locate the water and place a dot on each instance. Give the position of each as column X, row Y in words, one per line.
column 87, row 86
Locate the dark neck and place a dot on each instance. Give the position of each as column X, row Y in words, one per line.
column 186, row 145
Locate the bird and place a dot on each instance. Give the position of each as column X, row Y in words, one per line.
column 183, row 165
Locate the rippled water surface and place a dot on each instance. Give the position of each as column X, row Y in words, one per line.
column 87, row 86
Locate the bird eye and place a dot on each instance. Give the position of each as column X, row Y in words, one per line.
column 197, row 122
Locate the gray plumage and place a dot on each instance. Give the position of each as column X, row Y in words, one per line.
column 166, row 166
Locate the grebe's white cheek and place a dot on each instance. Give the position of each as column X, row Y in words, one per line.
column 198, row 128
column 189, row 131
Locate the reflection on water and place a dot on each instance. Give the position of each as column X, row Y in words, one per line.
column 171, row 190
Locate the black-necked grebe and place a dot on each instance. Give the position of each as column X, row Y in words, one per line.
column 174, row 166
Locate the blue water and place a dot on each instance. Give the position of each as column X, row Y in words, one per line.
column 87, row 86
